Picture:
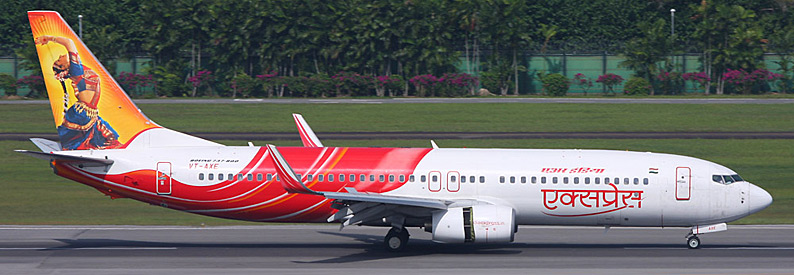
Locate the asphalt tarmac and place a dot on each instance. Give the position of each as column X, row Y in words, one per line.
column 323, row 249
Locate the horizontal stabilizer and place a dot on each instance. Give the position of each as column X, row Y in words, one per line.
column 84, row 161
column 385, row 199
column 46, row 145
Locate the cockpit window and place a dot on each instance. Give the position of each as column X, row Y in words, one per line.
column 726, row 179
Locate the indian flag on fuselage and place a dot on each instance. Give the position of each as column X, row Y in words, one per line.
column 653, row 170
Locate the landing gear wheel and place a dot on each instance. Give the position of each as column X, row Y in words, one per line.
column 396, row 241
column 693, row 242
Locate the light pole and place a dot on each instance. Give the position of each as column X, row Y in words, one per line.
column 80, row 23
column 672, row 22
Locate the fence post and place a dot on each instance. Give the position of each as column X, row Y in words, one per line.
column 564, row 64
column 603, row 70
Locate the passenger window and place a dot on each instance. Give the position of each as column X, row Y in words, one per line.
column 636, row 181
column 239, row 176
column 210, row 176
column 625, row 181
column 258, row 176
column 298, row 176
column 341, row 177
column 482, row 179
column 402, row 178
column 543, row 180
column 269, row 176
column 512, row 179
column 220, row 176
column 411, row 178
column 534, row 180
column 201, row 176
column 278, row 178
column 320, row 177
column 423, row 178
column 617, row 181
column 250, row 177
column 597, row 180
column 310, row 177
column 435, row 178
column 565, row 180
column 587, row 180
column 382, row 178
column 606, row 180
column 471, row 179
column 391, row 178
column 462, row 179
column 352, row 177
column 645, row 181
column 554, row 180
column 330, row 177
column 452, row 179
column 523, row 179
column 230, row 176
column 501, row 179
column 362, row 178
column 372, row 178
column 576, row 180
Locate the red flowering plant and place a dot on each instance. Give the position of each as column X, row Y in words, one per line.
column 452, row 84
column 35, row 83
column 671, row 82
column 750, row 82
column 581, row 80
column 202, row 79
column 610, row 80
column 134, row 84
column 424, row 84
column 697, row 78
column 388, row 83
column 353, row 83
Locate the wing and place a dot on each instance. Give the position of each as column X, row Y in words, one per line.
column 361, row 207
column 308, row 137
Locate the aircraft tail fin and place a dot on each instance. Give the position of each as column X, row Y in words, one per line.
column 90, row 108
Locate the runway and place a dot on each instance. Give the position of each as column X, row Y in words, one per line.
column 315, row 249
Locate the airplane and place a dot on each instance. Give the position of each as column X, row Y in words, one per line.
column 459, row 195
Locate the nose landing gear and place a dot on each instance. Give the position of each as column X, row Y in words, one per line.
column 693, row 241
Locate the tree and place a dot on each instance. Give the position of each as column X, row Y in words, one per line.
column 643, row 53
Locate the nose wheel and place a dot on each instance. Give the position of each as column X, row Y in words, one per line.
column 396, row 239
column 693, row 242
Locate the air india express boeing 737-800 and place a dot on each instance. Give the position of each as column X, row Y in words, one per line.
column 458, row 195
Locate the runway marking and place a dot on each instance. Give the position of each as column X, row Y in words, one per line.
column 87, row 248
column 710, row 248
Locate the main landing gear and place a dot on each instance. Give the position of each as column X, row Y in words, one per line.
column 396, row 239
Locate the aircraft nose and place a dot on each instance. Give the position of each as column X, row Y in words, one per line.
column 758, row 199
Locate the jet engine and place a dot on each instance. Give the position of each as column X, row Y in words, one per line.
column 475, row 224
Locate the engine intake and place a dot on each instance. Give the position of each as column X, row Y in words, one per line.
column 475, row 224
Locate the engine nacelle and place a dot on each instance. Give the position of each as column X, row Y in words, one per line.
column 475, row 224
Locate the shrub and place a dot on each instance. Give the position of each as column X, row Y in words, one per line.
column 35, row 83
column 354, row 84
column 424, row 84
column 700, row 78
column 202, row 81
column 671, row 82
column 453, row 85
column 746, row 82
column 8, row 84
column 610, row 80
column 637, row 86
column 388, row 83
column 243, row 84
column 581, row 80
column 555, row 84
column 134, row 84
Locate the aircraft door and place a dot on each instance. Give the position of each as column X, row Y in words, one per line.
column 163, row 179
column 453, row 181
column 434, row 181
column 683, row 183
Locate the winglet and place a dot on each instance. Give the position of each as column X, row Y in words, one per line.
column 290, row 181
column 308, row 137
column 433, row 143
